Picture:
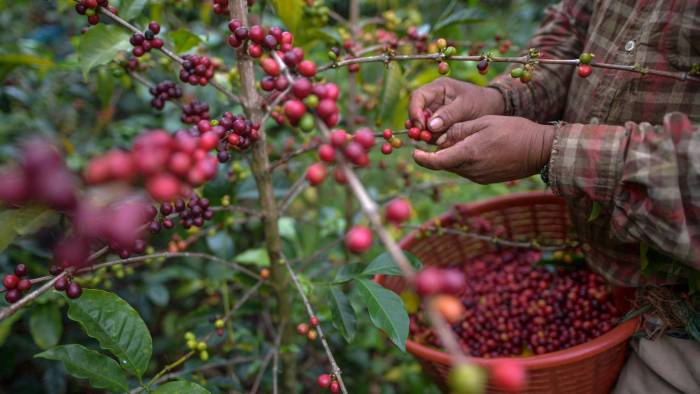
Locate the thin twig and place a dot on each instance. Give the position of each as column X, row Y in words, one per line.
column 172, row 55
column 310, row 311
column 292, row 193
column 272, row 353
column 291, row 155
column 144, row 81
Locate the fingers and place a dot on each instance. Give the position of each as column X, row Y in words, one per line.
column 447, row 115
column 460, row 131
column 441, row 160
column 419, row 101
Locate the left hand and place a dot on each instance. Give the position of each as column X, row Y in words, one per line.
column 491, row 149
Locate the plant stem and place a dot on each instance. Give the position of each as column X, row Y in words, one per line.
column 260, row 166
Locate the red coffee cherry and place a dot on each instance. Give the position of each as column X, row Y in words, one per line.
column 307, row 68
column 429, row 281
column 24, row 285
column 323, row 380
column 339, row 138
column 397, row 211
column 61, row 283
column 10, row 281
column 443, row 68
column 358, row 239
column 302, row 329
column 163, row 187
column 364, row 137
column 584, row 70
column 12, row 296
column 326, row 153
column 314, row 321
column 294, row 109
column 74, row 290
column 335, row 387
column 316, row 174
column 301, row 88
column 508, row 375
column 270, row 66
column 387, row 148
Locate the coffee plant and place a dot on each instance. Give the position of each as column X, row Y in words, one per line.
column 203, row 206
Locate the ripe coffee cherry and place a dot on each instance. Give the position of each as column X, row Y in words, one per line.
column 323, row 380
column 467, row 379
column 397, row 211
column 24, row 285
column 426, row 135
column 584, row 70
column 256, row 33
column 326, row 108
column 301, row 88
column 339, row 176
column 267, row 83
column 154, row 27
column 508, row 375
column 450, row 307
column 269, row 42
column 314, row 321
column 74, row 290
column 307, row 68
column 443, row 68
column 413, row 133
column 61, row 283
column 483, row 66
column 334, row 387
column 302, row 329
column 429, row 281
column 312, row 335
column 316, row 174
column 387, row 134
column 339, row 138
column 163, row 187
column 255, row 50
column 208, row 141
column 21, row 270
column 453, row 281
column 326, row 153
column 270, row 66
column 387, row 148
column 358, row 239
column 10, row 281
column 281, row 83
column 294, row 109
column 12, row 296
column 265, row 273
column 355, row 153
column 364, row 137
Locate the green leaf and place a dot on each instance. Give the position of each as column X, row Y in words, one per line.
column 184, row 40
column 254, row 256
column 6, row 325
column 130, row 9
column 385, row 265
column 286, row 228
column 391, row 89
column 344, row 318
column 159, row 294
column 116, row 326
column 289, row 12
column 596, row 209
column 386, row 311
column 221, row 244
column 463, row 16
column 99, row 45
column 181, row 387
column 101, row 371
column 23, row 221
column 11, row 61
column 46, row 325
column 347, row 272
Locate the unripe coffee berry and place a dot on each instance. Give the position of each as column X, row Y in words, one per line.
column 443, row 68
column 586, row 58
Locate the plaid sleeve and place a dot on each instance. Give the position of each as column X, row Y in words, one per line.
column 646, row 179
column 562, row 35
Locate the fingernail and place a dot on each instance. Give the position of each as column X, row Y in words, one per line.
column 435, row 123
column 441, row 140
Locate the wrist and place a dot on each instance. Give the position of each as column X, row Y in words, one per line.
column 495, row 101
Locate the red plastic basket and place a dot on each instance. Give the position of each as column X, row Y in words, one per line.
column 589, row 368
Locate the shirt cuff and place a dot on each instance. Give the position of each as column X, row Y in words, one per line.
column 586, row 161
column 509, row 93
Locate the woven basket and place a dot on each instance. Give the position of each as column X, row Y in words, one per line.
column 589, row 368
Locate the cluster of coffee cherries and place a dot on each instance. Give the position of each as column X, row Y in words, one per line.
column 420, row 40
column 307, row 329
column 68, row 285
column 171, row 164
column 236, row 132
column 443, row 47
column 328, row 381
column 512, row 308
column 144, row 42
column 584, row 69
column 221, row 6
column 355, row 148
column 15, row 285
column 392, row 142
column 503, row 44
column 198, row 346
column 193, row 212
column 90, row 8
column 164, row 91
column 195, row 111
column 414, row 132
column 307, row 96
column 198, row 70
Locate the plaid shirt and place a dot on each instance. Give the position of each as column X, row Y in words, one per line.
column 630, row 143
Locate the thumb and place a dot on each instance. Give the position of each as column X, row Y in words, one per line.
column 459, row 131
column 441, row 160
column 446, row 116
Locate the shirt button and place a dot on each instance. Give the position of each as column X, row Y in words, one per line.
column 629, row 47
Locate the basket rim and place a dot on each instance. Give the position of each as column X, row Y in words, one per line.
column 587, row 350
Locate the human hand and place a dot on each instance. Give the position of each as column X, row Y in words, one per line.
column 451, row 101
column 491, row 149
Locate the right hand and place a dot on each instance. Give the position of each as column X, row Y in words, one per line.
column 451, row 101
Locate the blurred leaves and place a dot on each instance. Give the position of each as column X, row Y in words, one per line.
column 46, row 325
column 184, row 40
column 289, row 11
column 180, row 387
column 23, row 221
column 344, row 318
column 130, row 9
